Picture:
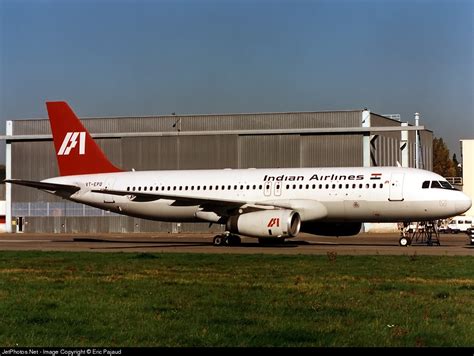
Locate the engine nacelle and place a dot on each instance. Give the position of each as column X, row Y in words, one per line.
column 332, row 229
column 266, row 223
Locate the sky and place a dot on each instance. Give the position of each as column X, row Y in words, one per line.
column 155, row 57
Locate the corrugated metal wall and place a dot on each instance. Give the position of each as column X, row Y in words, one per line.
column 269, row 151
column 36, row 160
column 331, row 151
column 112, row 224
column 426, row 138
column 203, row 122
column 385, row 148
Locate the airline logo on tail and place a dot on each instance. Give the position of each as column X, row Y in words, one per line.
column 70, row 142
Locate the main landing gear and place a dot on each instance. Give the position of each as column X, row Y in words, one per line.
column 227, row 239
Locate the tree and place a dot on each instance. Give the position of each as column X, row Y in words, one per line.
column 442, row 164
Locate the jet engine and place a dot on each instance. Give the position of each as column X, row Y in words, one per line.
column 266, row 223
column 332, row 229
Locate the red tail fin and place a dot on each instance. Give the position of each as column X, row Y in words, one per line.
column 76, row 151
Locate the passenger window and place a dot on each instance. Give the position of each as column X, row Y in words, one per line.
column 139, row 189
column 426, row 184
column 128, row 189
column 144, row 189
column 287, row 186
column 381, row 185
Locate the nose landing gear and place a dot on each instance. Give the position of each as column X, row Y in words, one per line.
column 404, row 241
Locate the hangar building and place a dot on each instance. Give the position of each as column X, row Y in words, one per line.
column 258, row 140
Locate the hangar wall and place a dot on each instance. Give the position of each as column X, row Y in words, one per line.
column 206, row 142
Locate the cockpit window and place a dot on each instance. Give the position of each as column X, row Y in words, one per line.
column 442, row 184
column 446, row 185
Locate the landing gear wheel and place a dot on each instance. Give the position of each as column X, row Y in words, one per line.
column 219, row 240
column 404, row 241
column 227, row 240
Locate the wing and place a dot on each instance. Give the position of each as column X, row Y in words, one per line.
column 308, row 209
column 179, row 199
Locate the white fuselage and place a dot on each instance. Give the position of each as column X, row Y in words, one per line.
column 373, row 194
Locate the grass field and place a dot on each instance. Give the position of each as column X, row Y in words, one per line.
column 126, row 299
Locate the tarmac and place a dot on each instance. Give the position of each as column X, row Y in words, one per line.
column 362, row 244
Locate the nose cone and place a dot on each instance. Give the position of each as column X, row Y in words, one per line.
column 463, row 204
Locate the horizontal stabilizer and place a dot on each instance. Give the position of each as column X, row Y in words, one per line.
column 54, row 187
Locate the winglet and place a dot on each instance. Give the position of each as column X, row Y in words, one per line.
column 76, row 151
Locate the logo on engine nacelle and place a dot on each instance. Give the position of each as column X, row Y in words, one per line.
column 274, row 222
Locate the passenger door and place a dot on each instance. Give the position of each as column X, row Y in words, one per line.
column 396, row 187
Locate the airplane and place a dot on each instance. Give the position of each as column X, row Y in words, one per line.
column 268, row 204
